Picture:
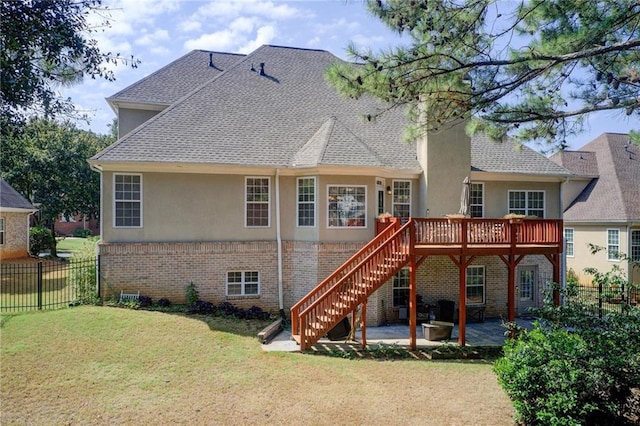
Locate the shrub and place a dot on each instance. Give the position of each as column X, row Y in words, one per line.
column 82, row 276
column 40, row 239
column 81, row 233
column 164, row 303
column 191, row 294
column 200, row 307
column 573, row 368
column 145, row 301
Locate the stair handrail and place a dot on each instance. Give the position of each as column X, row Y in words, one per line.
column 348, row 265
column 333, row 289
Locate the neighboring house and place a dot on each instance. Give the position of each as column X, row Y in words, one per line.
column 602, row 204
column 68, row 225
column 252, row 178
column 14, row 223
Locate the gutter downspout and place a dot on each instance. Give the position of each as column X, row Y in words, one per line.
column 97, row 169
column 279, row 244
column 563, row 258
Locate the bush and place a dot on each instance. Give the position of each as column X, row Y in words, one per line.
column 145, row 301
column 191, row 294
column 200, row 307
column 574, row 368
column 82, row 276
column 164, row 303
column 40, row 239
column 81, row 233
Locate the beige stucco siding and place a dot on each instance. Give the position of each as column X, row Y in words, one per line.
column 129, row 119
column 584, row 235
column 496, row 197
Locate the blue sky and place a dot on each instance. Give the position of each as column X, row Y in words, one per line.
column 160, row 31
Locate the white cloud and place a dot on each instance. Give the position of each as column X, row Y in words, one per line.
column 189, row 26
column 267, row 9
column 337, row 25
column 152, row 39
column 367, row 41
column 314, row 41
column 264, row 35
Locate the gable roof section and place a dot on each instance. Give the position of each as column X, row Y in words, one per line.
column 173, row 81
column 10, row 199
column 582, row 163
column 615, row 194
column 506, row 157
column 288, row 116
column 242, row 117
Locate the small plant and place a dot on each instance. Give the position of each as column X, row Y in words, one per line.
column 200, row 307
column 40, row 239
column 191, row 294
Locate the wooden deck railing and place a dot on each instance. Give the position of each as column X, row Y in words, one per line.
column 466, row 232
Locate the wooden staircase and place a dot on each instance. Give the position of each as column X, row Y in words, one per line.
column 351, row 284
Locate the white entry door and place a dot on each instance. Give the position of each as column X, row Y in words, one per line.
column 527, row 288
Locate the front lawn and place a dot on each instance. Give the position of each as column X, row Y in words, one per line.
column 77, row 246
column 103, row 365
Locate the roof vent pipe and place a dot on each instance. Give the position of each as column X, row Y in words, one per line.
column 211, row 60
column 262, row 68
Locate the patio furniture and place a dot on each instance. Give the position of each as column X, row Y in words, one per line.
column 437, row 330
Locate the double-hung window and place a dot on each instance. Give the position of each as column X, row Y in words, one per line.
column 306, row 201
column 475, row 285
column 243, row 283
column 257, row 195
column 613, row 244
column 401, row 199
column 476, row 200
column 347, row 206
column 568, row 241
column 528, row 203
column 635, row 245
column 128, row 200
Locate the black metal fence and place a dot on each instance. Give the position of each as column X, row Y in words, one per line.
column 600, row 299
column 47, row 284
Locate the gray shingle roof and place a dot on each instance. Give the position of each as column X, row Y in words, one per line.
column 289, row 117
column 615, row 193
column 10, row 198
column 506, row 157
column 173, row 81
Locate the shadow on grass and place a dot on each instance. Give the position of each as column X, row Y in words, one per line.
column 386, row 352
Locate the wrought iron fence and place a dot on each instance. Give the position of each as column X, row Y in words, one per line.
column 47, row 284
column 600, row 299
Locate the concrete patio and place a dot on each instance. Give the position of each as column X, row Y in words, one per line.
column 488, row 333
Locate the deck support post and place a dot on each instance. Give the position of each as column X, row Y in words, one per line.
column 413, row 266
column 462, row 262
column 555, row 261
column 363, row 324
column 512, row 262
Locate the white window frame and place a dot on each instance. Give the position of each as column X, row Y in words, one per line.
column 569, row 242
column 396, row 194
column 634, row 245
column 364, row 208
column 312, row 203
column 527, row 208
column 613, row 248
column 483, row 285
column 116, row 201
column 247, row 202
column 471, row 203
column 401, row 281
column 243, row 284
column 2, row 233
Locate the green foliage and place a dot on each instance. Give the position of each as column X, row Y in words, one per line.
column 46, row 162
column 191, row 294
column 81, row 233
column 573, row 368
column 46, row 43
column 532, row 70
column 83, row 278
column 40, row 239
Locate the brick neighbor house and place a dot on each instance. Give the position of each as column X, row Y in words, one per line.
column 251, row 177
column 14, row 223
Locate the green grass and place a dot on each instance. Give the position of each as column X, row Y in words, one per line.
column 103, row 365
column 77, row 246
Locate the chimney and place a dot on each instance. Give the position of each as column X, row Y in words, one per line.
column 262, row 68
column 211, row 60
